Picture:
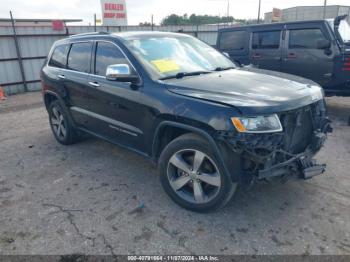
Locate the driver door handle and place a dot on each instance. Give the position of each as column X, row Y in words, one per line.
column 94, row 84
column 62, row 76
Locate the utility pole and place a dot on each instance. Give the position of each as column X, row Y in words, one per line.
column 259, row 11
column 228, row 11
column 95, row 23
column 152, row 22
column 324, row 9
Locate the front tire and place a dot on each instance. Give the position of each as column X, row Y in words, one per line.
column 192, row 176
column 61, row 125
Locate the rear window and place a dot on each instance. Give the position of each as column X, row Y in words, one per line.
column 79, row 57
column 266, row 40
column 305, row 38
column 59, row 57
column 235, row 40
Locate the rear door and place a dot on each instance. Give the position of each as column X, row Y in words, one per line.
column 236, row 44
column 54, row 72
column 76, row 79
column 302, row 57
column 266, row 48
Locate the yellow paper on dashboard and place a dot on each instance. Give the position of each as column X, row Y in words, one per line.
column 165, row 65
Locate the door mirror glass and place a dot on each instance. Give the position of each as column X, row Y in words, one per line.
column 121, row 72
column 323, row 44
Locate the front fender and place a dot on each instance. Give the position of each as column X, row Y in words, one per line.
column 216, row 149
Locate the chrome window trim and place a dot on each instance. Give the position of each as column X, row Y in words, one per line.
column 94, row 55
column 65, row 69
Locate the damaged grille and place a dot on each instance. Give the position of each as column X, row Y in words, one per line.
column 265, row 155
column 298, row 129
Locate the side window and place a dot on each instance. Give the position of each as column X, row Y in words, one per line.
column 79, row 57
column 235, row 40
column 59, row 57
column 266, row 40
column 305, row 38
column 107, row 54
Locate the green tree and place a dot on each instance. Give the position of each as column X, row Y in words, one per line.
column 145, row 24
column 194, row 19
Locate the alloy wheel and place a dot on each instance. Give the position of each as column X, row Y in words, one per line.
column 194, row 176
column 58, row 123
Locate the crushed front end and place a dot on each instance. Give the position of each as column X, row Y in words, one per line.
column 287, row 153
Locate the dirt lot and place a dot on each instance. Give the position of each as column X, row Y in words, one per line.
column 80, row 199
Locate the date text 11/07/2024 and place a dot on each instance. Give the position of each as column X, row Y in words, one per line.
column 173, row 258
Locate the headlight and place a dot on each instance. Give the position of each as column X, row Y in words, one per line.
column 259, row 124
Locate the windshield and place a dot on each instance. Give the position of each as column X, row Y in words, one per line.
column 164, row 56
column 344, row 31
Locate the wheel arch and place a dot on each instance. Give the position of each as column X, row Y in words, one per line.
column 49, row 97
column 158, row 147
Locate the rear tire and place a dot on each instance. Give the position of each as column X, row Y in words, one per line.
column 61, row 125
column 192, row 176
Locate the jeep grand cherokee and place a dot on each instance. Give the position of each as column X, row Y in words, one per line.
column 209, row 125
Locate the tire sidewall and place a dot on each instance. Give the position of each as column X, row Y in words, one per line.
column 197, row 143
column 68, row 138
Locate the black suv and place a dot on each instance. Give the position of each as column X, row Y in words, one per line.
column 208, row 125
column 318, row 50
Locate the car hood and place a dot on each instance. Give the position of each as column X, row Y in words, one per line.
column 250, row 90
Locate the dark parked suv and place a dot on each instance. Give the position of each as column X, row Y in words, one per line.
column 208, row 125
column 318, row 50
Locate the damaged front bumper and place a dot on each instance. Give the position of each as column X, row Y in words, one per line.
column 268, row 161
column 285, row 154
column 302, row 165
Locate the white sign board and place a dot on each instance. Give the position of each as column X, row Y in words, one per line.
column 276, row 15
column 114, row 13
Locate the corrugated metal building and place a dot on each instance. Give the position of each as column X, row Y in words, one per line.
column 310, row 13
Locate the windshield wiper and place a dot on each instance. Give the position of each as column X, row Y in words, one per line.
column 224, row 68
column 183, row 74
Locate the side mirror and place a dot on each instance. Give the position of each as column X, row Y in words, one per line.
column 323, row 44
column 121, row 73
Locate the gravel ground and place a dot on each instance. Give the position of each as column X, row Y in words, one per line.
column 56, row 199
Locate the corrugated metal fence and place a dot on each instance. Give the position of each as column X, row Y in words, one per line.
column 34, row 44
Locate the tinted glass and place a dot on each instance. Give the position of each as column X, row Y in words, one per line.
column 266, row 40
column 305, row 38
column 59, row 57
column 233, row 40
column 79, row 57
column 107, row 54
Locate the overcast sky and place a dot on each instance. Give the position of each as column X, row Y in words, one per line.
column 141, row 10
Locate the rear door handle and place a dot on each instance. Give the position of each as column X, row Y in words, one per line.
column 94, row 84
column 256, row 55
column 62, row 76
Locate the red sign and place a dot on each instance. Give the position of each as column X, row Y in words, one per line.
column 58, row 25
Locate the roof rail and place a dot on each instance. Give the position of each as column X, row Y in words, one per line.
column 91, row 33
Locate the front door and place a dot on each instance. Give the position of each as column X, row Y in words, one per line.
column 114, row 105
column 302, row 57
